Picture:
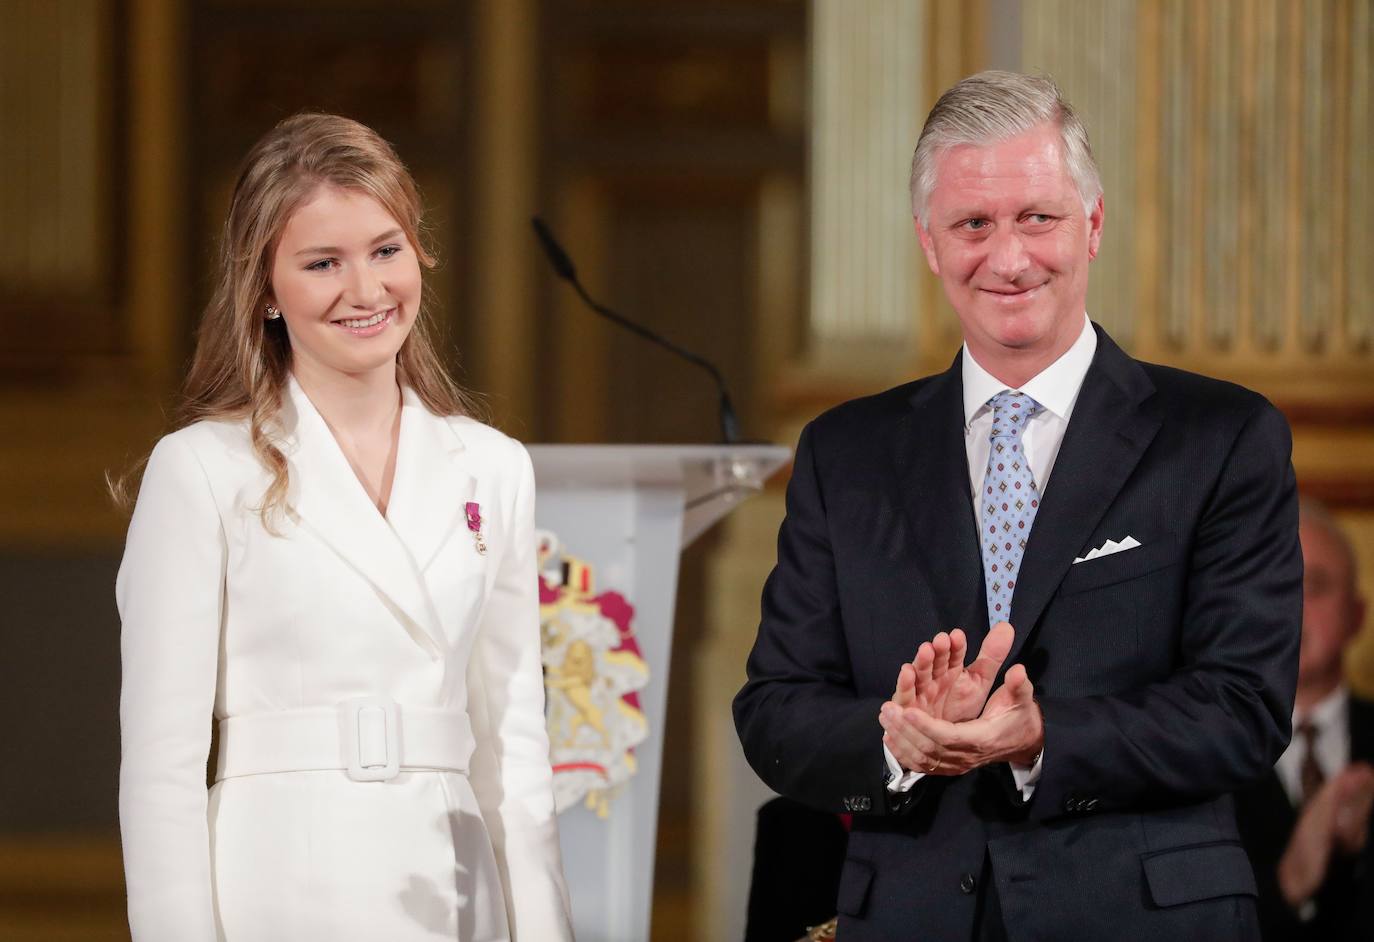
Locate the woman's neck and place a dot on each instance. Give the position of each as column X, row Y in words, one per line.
column 356, row 406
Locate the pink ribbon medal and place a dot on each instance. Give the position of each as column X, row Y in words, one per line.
column 474, row 514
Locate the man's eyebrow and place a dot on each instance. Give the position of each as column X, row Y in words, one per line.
column 335, row 250
column 1030, row 206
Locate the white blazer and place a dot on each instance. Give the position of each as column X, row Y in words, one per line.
column 271, row 633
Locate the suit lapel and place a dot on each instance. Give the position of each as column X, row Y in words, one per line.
column 932, row 464
column 330, row 502
column 431, row 487
column 1361, row 718
column 1113, row 422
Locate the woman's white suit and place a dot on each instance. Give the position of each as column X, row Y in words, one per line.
column 345, row 645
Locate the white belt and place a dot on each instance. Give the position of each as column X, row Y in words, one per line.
column 371, row 738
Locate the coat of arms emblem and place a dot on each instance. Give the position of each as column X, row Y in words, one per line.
column 593, row 671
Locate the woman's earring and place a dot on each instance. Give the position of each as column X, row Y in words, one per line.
column 272, row 313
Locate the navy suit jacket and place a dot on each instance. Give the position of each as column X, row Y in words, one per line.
column 1165, row 673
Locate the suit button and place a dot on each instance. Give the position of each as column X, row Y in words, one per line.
column 1070, row 804
column 967, row 883
column 1090, row 804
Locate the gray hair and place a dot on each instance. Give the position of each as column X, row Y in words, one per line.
column 990, row 107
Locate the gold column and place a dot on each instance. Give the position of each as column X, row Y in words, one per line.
column 867, row 71
column 158, row 209
column 1089, row 49
column 503, row 249
column 1359, row 285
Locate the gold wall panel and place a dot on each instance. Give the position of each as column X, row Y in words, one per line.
column 866, row 70
column 385, row 79
column 667, row 82
column 61, row 272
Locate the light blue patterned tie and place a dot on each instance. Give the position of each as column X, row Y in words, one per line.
column 1010, row 500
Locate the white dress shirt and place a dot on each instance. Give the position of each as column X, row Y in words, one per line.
column 1331, row 719
column 1056, row 389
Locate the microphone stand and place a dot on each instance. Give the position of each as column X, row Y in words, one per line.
column 563, row 267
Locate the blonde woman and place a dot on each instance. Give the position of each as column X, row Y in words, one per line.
column 336, row 563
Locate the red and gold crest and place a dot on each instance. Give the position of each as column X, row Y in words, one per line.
column 593, row 672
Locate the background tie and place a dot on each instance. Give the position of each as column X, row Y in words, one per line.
column 1311, row 771
column 1010, row 500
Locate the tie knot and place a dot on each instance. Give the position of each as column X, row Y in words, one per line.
column 1010, row 413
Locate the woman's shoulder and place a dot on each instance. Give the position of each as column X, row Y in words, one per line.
column 486, row 439
column 216, row 434
column 214, row 444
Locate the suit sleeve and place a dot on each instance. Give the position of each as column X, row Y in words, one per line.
column 1221, row 721
column 169, row 592
column 510, row 771
column 804, row 728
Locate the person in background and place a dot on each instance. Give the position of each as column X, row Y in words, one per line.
column 1307, row 825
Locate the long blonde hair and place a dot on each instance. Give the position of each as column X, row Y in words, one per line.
column 242, row 361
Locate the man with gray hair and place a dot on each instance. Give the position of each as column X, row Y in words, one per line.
column 1117, row 541
column 1307, row 824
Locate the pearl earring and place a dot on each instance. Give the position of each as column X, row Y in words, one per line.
column 272, row 313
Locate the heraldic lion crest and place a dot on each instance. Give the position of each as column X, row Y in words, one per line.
column 592, row 674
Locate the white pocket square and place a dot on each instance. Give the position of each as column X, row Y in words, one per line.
column 1108, row 548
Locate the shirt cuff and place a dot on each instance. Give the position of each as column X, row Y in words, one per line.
column 1025, row 777
column 899, row 779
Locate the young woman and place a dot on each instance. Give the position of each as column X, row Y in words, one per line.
column 334, row 561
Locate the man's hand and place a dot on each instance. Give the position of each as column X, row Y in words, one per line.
column 1336, row 819
column 1010, row 729
column 1302, row 868
column 1354, row 801
column 937, row 682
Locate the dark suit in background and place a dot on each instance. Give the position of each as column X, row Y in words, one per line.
column 1165, row 673
column 798, row 854
column 1267, row 817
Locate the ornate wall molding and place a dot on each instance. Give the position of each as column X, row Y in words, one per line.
column 868, row 70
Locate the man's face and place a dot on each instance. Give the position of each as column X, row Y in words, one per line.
column 1331, row 610
column 1009, row 241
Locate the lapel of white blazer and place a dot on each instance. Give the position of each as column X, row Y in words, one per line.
column 432, row 485
column 331, row 503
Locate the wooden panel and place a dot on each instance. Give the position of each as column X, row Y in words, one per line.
column 668, row 82
column 699, row 297
column 61, row 266
column 62, row 889
column 403, row 69
column 384, row 78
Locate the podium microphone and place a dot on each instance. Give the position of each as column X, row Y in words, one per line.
column 563, row 268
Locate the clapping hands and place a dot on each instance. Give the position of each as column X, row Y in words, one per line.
column 941, row 719
column 1335, row 820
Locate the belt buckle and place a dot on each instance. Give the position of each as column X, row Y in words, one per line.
column 370, row 731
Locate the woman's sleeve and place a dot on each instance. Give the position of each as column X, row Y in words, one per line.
column 169, row 591
column 510, row 771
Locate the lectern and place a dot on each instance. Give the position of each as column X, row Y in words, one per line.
column 613, row 520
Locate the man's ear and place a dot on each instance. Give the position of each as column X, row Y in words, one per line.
column 1095, row 220
column 927, row 245
column 1356, row 619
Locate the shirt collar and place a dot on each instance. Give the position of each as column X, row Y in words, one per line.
column 1055, row 387
column 1327, row 710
